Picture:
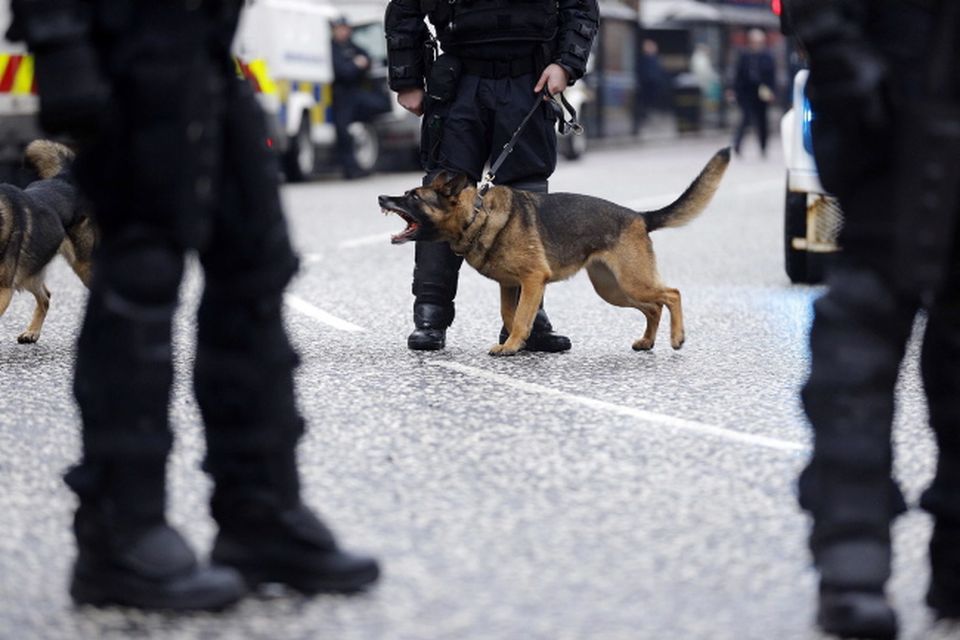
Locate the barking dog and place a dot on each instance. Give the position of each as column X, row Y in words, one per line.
column 526, row 240
column 38, row 222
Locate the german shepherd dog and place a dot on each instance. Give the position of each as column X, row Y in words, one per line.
column 38, row 222
column 526, row 240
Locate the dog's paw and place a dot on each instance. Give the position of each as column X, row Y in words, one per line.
column 643, row 344
column 503, row 350
column 677, row 342
column 28, row 337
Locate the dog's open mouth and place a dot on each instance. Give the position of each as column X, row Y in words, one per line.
column 407, row 234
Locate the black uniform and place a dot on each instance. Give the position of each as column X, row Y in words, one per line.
column 174, row 160
column 478, row 93
column 885, row 90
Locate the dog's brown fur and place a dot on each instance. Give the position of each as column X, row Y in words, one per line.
column 38, row 222
column 526, row 240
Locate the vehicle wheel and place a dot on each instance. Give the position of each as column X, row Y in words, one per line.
column 301, row 160
column 366, row 145
column 795, row 226
column 573, row 146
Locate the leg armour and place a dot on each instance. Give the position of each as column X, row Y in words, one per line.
column 124, row 359
column 244, row 368
column 857, row 343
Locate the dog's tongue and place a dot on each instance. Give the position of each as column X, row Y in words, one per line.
column 404, row 235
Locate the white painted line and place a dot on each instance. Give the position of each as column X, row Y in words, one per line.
column 365, row 241
column 311, row 258
column 649, row 203
column 299, row 304
column 648, row 416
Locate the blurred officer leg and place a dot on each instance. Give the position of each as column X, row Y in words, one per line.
column 941, row 377
column 857, row 342
column 139, row 176
column 244, row 379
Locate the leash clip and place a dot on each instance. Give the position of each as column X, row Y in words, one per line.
column 482, row 189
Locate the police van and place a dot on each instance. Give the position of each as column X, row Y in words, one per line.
column 18, row 102
column 284, row 48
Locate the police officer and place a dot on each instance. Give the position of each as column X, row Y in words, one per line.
column 497, row 57
column 885, row 91
column 351, row 65
column 174, row 161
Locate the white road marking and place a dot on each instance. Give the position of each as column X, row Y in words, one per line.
column 365, row 241
column 311, row 258
column 299, row 304
column 650, row 203
column 648, row 416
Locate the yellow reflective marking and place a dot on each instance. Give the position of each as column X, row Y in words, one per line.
column 23, row 81
column 259, row 69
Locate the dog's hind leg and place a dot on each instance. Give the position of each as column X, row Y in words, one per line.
column 42, row 295
column 608, row 287
column 652, row 312
column 531, row 294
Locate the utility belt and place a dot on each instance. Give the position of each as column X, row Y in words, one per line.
column 497, row 69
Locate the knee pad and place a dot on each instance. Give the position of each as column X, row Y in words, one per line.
column 536, row 185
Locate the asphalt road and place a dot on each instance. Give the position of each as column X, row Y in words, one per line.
column 598, row 494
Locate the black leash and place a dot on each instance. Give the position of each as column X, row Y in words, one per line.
column 558, row 103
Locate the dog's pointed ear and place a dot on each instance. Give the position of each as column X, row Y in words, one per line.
column 453, row 186
column 439, row 180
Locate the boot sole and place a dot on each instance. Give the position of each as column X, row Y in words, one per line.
column 352, row 582
column 118, row 589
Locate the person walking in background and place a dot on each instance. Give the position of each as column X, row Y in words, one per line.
column 173, row 158
column 351, row 67
column 753, row 88
column 654, row 81
column 497, row 58
column 885, row 88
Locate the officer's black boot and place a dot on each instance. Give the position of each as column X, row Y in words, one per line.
column 128, row 555
column 431, row 322
column 542, row 337
column 852, row 603
column 435, row 276
column 943, row 595
column 270, row 536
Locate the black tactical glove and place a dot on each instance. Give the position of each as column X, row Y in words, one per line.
column 73, row 93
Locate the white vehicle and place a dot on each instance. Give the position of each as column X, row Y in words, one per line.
column 812, row 217
column 286, row 44
column 18, row 101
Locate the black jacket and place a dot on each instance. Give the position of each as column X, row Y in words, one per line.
column 569, row 42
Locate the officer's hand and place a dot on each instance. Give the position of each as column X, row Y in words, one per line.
column 411, row 100
column 362, row 62
column 554, row 78
column 73, row 93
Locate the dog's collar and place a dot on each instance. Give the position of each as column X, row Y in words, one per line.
column 475, row 237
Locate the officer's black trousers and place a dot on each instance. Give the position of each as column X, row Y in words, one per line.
column 183, row 168
column 473, row 129
column 859, row 336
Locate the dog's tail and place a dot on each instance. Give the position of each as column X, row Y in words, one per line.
column 695, row 199
column 47, row 157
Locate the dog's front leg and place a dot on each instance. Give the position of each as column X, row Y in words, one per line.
column 531, row 293
column 32, row 334
column 508, row 304
column 5, row 296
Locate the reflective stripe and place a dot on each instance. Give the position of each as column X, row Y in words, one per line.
column 16, row 75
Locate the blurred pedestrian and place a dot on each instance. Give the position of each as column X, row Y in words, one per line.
column 885, row 91
column 497, row 57
column 174, row 161
column 753, row 88
column 351, row 70
column 654, row 80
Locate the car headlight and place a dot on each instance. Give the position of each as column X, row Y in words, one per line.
column 806, row 120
